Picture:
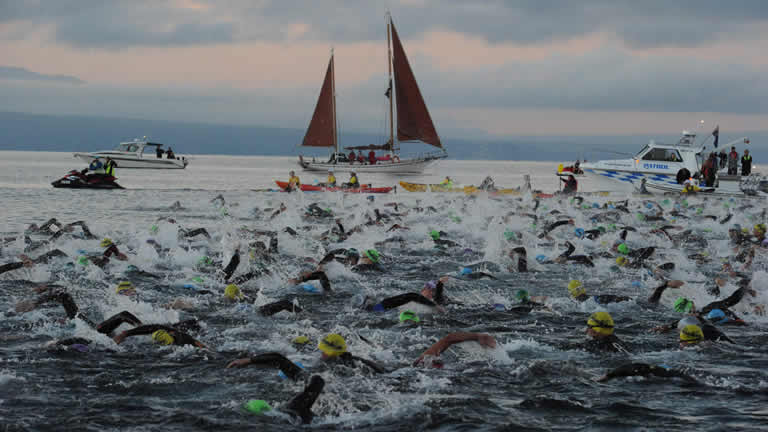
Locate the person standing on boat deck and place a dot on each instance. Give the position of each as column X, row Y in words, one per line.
column 733, row 161
column 351, row 157
column 159, row 152
column 169, row 154
column 708, row 169
column 723, row 158
column 746, row 163
column 372, row 157
column 360, row 157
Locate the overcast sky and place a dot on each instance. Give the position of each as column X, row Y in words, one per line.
column 486, row 68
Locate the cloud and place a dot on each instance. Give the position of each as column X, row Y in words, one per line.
column 639, row 24
column 17, row 73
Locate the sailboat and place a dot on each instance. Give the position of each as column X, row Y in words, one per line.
column 414, row 123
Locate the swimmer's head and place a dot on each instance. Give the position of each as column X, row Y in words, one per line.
column 621, row 261
column 106, row 242
column 257, row 406
column 232, row 292
column 600, row 323
column 691, row 335
column 300, row 340
column 435, row 234
column 333, row 345
column 408, row 315
column 205, row 261
column 82, row 260
column 465, row 271
column 522, row 295
column 717, row 316
column 683, row 305
column 623, row 248
column 373, row 255
column 689, row 320
column 126, row 288
column 162, row 337
column 576, row 288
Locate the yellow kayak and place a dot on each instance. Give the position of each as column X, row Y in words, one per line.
column 421, row 187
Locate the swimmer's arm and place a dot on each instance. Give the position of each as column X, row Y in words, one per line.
column 443, row 344
column 142, row 330
column 268, row 360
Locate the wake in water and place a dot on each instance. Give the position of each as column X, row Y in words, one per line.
column 423, row 311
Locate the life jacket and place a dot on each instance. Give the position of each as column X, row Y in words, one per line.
column 331, row 179
column 353, row 180
column 294, row 180
column 109, row 168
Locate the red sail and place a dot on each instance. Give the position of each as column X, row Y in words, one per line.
column 322, row 129
column 413, row 120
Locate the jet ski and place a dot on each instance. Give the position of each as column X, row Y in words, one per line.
column 79, row 180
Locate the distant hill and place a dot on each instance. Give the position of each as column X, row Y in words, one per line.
column 36, row 132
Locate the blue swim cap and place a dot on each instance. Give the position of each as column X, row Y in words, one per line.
column 189, row 286
column 637, row 284
column 648, row 205
column 717, row 315
column 82, row 252
column 595, row 205
column 468, row 250
column 282, row 375
column 498, row 307
column 579, row 232
column 378, row 308
column 308, row 287
column 541, row 258
column 466, row 271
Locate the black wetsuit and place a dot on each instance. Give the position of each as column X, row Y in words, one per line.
column 549, row 228
column 642, row 369
column 606, row 344
column 279, row 306
column 399, row 300
column 179, row 337
column 106, row 327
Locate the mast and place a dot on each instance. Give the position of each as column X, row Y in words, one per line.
column 391, row 88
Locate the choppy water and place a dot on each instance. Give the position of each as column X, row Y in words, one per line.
column 526, row 382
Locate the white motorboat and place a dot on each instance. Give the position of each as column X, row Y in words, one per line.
column 751, row 186
column 659, row 164
column 413, row 123
column 138, row 154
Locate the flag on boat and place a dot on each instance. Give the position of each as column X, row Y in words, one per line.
column 716, row 134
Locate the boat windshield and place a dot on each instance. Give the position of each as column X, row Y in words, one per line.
column 128, row 147
column 662, row 154
column 640, row 153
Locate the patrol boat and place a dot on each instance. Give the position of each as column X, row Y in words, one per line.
column 660, row 164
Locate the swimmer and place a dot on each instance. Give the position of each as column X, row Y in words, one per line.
column 485, row 340
column 646, row 370
column 602, row 338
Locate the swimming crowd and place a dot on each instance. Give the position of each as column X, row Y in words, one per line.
column 635, row 236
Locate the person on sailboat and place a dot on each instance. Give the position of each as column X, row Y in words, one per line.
column 293, row 182
column 733, row 161
column 746, row 163
column 570, row 185
column 448, row 183
column 372, row 157
column 352, row 157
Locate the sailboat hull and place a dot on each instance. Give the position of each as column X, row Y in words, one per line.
column 405, row 166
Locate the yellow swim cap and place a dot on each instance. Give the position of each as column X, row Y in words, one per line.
column 601, row 322
column 333, row 345
column 300, row 340
column 576, row 288
column 162, row 337
column 232, row 292
column 106, row 242
column 622, row 261
column 691, row 334
column 123, row 286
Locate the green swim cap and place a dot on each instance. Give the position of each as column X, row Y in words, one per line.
column 197, row 279
column 665, row 202
column 699, row 210
column 409, row 316
column 685, row 203
column 257, row 406
column 640, row 217
column 435, row 234
column 683, row 305
column 509, row 235
column 153, row 229
column 224, row 211
column 612, row 227
column 623, row 249
column 205, row 261
column 522, row 295
column 82, row 260
column 373, row 255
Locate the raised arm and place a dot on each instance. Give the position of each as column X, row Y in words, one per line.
column 443, row 344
